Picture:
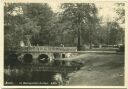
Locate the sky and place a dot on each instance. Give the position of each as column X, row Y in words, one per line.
column 106, row 11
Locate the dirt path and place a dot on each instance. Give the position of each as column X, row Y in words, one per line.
column 99, row 70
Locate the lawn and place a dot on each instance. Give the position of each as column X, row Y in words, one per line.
column 98, row 70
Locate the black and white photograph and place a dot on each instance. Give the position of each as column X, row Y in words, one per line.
column 66, row 88
column 64, row 44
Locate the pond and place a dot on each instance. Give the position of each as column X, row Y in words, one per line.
column 37, row 74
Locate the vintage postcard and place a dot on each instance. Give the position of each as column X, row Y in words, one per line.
column 66, row 88
column 64, row 43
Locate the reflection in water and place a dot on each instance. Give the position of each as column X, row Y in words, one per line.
column 26, row 76
column 29, row 74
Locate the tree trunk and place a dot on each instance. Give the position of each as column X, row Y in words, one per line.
column 90, row 38
column 79, row 38
column 78, row 45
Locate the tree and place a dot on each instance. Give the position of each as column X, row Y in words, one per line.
column 10, row 23
column 120, row 10
column 80, row 15
column 112, row 33
column 116, row 32
column 42, row 15
column 26, row 19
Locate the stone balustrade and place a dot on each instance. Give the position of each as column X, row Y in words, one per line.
column 49, row 49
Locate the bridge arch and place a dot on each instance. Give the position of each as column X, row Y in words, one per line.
column 27, row 58
column 43, row 58
column 12, row 59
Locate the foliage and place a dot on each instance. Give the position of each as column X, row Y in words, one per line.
column 83, row 18
column 25, row 19
column 111, row 34
column 42, row 15
column 78, row 24
column 120, row 10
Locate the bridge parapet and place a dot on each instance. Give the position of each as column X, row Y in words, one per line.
column 48, row 49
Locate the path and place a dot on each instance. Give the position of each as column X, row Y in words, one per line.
column 99, row 70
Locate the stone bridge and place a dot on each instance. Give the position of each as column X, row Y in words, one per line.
column 38, row 54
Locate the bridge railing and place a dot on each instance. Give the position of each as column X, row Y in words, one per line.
column 49, row 49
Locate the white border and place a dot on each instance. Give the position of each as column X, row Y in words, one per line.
column 1, row 41
column 126, row 42
column 62, row 1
